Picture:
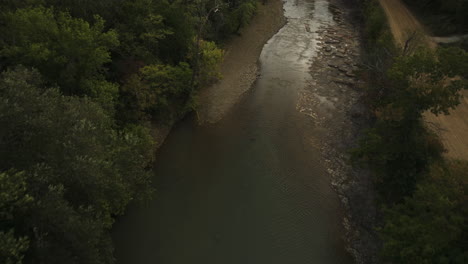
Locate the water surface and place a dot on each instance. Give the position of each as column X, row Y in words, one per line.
column 250, row 189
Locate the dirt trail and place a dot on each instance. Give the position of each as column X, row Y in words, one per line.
column 452, row 128
column 402, row 23
column 240, row 66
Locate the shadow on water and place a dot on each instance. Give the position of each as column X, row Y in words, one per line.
column 251, row 188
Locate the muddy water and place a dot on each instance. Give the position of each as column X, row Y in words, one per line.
column 251, row 188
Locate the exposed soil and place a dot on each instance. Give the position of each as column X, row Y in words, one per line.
column 240, row 66
column 403, row 23
column 452, row 128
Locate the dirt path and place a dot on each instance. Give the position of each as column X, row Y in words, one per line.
column 452, row 128
column 240, row 66
column 402, row 22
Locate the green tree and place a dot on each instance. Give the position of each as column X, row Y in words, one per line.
column 170, row 86
column 399, row 154
column 14, row 202
column 86, row 9
column 427, row 81
column 399, row 148
column 209, row 59
column 77, row 167
column 67, row 51
column 158, row 92
column 430, row 227
column 141, row 29
column 178, row 16
column 241, row 15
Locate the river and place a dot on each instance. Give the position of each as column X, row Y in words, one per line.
column 251, row 188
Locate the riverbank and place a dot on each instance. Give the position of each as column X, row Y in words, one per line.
column 239, row 68
column 332, row 101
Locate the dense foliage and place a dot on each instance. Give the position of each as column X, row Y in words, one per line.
column 431, row 225
column 65, row 171
column 81, row 82
column 423, row 196
column 399, row 148
column 68, row 52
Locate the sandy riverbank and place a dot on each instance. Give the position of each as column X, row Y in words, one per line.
column 239, row 68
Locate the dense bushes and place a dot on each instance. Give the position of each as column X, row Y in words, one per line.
column 80, row 83
column 424, row 196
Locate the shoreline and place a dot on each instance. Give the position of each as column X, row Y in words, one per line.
column 239, row 68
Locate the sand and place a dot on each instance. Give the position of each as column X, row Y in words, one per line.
column 240, row 67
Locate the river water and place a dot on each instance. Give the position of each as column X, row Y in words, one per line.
column 250, row 189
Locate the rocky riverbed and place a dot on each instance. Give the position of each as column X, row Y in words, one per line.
column 332, row 101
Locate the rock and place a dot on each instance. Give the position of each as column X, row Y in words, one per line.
column 344, row 81
column 355, row 115
column 332, row 41
column 343, row 69
column 350, row 74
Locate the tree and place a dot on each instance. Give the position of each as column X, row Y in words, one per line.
column 399, row 148
column 78, row 170
column 427, row 81
column 170, row 86
column 86, row 9
column 430, row 226
column 209, row 59
column 14, row 201
column 399, row 154
column 141, row 29
column 159, row 92
column 178, row 16
column 241, row 15
column 67, row 51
